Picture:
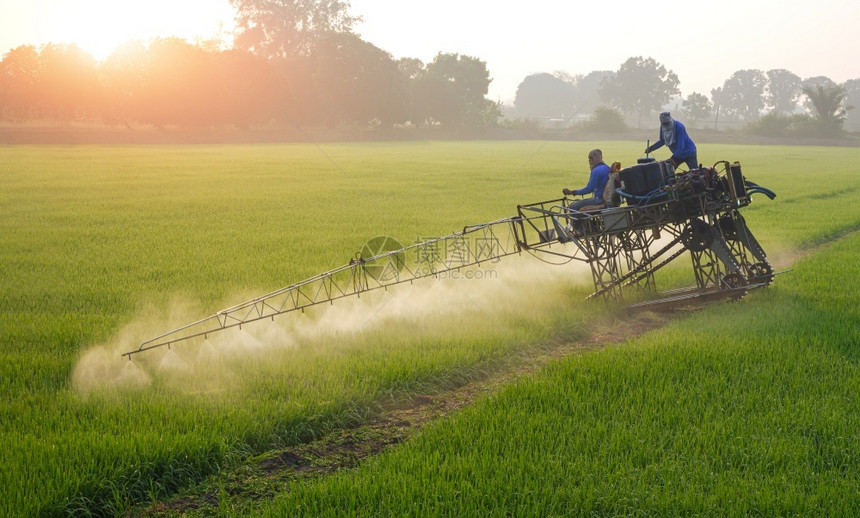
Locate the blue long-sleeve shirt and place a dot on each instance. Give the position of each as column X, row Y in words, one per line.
column 596, row 182
column 683, row 146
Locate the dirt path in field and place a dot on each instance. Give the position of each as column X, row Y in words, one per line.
column 260, row 479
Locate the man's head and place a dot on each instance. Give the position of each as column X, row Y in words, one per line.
column 595, row 156
column 665, row 119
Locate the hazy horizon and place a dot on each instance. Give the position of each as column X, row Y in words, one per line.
column 702, row 44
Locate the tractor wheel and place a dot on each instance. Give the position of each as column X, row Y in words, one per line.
column 728, row 228
column 734, row 280
column 697, row 235
column 761, row 273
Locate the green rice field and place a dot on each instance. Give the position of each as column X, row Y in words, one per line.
column 750, row 408
column 746, row 408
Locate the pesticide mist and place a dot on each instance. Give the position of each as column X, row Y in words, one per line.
column 463, row 304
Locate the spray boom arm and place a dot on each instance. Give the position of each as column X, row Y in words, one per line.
column 474, row 245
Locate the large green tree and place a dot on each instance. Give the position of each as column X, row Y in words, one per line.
column 243, row 88
column 545, row 95
column 828, row 102
column 588, row 89
column 452, row 90
column 19, row 77
column 741, row 96
column 357, row 82
column 122, row 75
column 782, row 91
column 812, row 82
column 175, row 84
column 698, row 106
column 288, row 28
column 68, row 83
column 641, row 86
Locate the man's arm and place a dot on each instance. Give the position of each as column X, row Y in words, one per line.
column 592, row 182
column 657, row 145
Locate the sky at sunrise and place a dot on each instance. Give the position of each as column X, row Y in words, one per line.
column 702, row 42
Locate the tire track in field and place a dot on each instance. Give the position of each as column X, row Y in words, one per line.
column 260, row 478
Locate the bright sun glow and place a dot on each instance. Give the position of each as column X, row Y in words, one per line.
column 99, row 26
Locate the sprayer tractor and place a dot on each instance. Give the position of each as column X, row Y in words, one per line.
column 652, row 216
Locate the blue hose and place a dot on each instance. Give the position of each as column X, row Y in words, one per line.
column 756, row 188
column 767, row 192
column 642, row 200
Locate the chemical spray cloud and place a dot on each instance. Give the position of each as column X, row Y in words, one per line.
column 520, row 286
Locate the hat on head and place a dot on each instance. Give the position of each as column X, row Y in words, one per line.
column 665, row 117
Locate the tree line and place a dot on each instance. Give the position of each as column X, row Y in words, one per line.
column 298, row 61
column 776, row 102
column 292, row 59
column 171, row 82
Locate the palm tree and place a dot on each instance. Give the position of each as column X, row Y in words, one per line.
column 829, row 103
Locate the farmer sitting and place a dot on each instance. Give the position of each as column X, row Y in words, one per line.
column 596, row 182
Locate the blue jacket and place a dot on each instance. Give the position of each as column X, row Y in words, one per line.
column 683, row 147
column 596, row 182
